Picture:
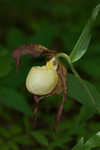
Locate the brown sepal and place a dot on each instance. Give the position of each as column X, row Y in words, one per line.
column 31, row 49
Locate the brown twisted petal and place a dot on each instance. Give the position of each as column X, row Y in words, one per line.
column 31, row 49
column 61, row 87
column 62, row 73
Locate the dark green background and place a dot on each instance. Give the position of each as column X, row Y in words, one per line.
column 57, row 25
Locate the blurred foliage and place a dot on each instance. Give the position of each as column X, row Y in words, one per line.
column 56, row 24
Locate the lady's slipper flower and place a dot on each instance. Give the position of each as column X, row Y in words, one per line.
column 42, row 80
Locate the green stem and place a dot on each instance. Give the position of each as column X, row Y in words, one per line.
column 76, row 74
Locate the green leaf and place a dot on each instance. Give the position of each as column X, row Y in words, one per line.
column 83, row 42
column 76, row 91
column 91, row 66
column 40, row 137
column 15, row 130
column 5, row 147
column 79, row 145
column 59, row 141
column 23, row 140
column 85, row 113
column 1, row 141
column 13, row 99
column 5, row 133
column 13, row 146
column 5, row 62
column 93, row 142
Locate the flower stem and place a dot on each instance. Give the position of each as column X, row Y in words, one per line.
column 77, row 75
